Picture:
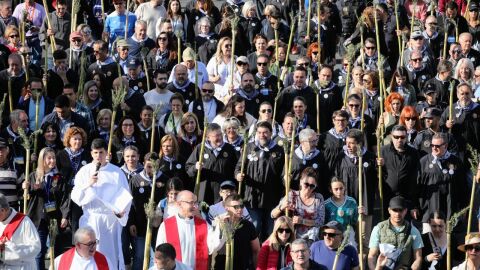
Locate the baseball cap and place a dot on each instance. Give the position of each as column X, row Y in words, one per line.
column 431, row 112
column 417, row 33
column 473, row 6
column 397, row 202
column 75, row 34
column 122, row 43
column 334, row 225
column 429, row 88
column 188, row 54
column 242, row 59
column 228, row 184
column 3, row 142
column 133, row 63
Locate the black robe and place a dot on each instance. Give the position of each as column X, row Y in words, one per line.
column 215, row 170
column 331, row 147
column 186, row 148
column 175, row 168
column 400, row 172
column 141, row 190
column 346, row 169
column 187, row 92
column 263, row 171
column 111, row 73
column 286, row 97
column 423, row 142
column 330, row 99
column 444, row 188
column 318, row 163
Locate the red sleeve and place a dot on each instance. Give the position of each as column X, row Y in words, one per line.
column 441, row 5
column 263, row 256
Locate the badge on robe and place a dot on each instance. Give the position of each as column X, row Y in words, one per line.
column 206, row 156
column 225, row 154
column 426, row 143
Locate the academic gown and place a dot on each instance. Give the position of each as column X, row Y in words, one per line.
column 216, row 169
column 331, row 147
column 423, row 142
column 23, row 247
column 316, row 161
column 441, row 186
column 330, row 100
column 346, row 168
column 186, row 231
column 100, row 202
column 263, row 172
column 187, row 92
column 466, row 129
column 80, row 263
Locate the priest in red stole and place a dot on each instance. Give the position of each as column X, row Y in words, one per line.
column 19, row 240
column 191, row 236
column 84, row 255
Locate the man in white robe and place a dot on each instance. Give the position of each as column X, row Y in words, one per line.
column 19, row 240
column 84, row 256
column 188, row 225
column 105, row 198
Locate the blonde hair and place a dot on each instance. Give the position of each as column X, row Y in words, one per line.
column 41, row 167
column 219, row 53
column 274, row 242
column 11, row 28
column 169, row 137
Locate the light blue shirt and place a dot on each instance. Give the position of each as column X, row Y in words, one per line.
column 115, row 25
column 31, row 113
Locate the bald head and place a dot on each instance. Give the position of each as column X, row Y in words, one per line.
column 187, row 204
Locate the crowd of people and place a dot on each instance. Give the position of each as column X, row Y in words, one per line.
column 259, row 134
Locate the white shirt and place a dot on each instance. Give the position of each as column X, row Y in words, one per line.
column 81, row 263
column 155, row 99
column 202, row 74
column 147, row 12
column 21, row 250
column 178, row 266
column 186, row 231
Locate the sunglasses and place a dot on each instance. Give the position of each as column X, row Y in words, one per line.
column 210, row 91
column 332, row 235
column 436, row 226
column 282, row 230
column 302, row 64
column 370, row 48
column 95, row 52
column 398, row 137
column 124, row 49
column 36, row 89
column 266, row 111
column 242, row 63
column 238, row 206
column 228, row 45
column 77, row 40
column 315, row 53
column 87, row 32
column 14, row 36
column 354, row 105
column 474, row 248
column 416, row 59
column 397, row 210
column 437, row 145
column 162, row 38
column 310, row 186
column 457, row 51
column 410, row 118
column 417, row 38
column 262, row 64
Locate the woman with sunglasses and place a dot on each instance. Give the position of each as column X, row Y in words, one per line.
column 275, row 251
column 472, row 248
column 306, row 207
column 164, row 55
column 12, row 38
column 434, row 249
column 409, row 119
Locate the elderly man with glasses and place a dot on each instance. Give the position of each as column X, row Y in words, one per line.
column 83, row 255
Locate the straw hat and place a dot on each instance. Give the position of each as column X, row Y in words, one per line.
column 470, row 239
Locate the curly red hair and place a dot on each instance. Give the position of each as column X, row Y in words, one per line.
column 390, row 99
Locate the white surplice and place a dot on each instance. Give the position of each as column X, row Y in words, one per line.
column 100, row 202
column 80, row 263
column 186, row 231
column 21, row 250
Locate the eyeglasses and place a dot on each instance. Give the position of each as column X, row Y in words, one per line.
column 127, row 125
column 437, row 145
column 474, row 248
column 262, row 64
column 91, row 244
column 266, row 111
column 162, row 38
column 370, row 48
column 210, row 91
column 282, row 230
column 13, row 36
column 238, row 206
column 398, row 137
column 332, row 235
column 308, row 185
column 416, row 59
column 354, row 105
column 410, row 119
